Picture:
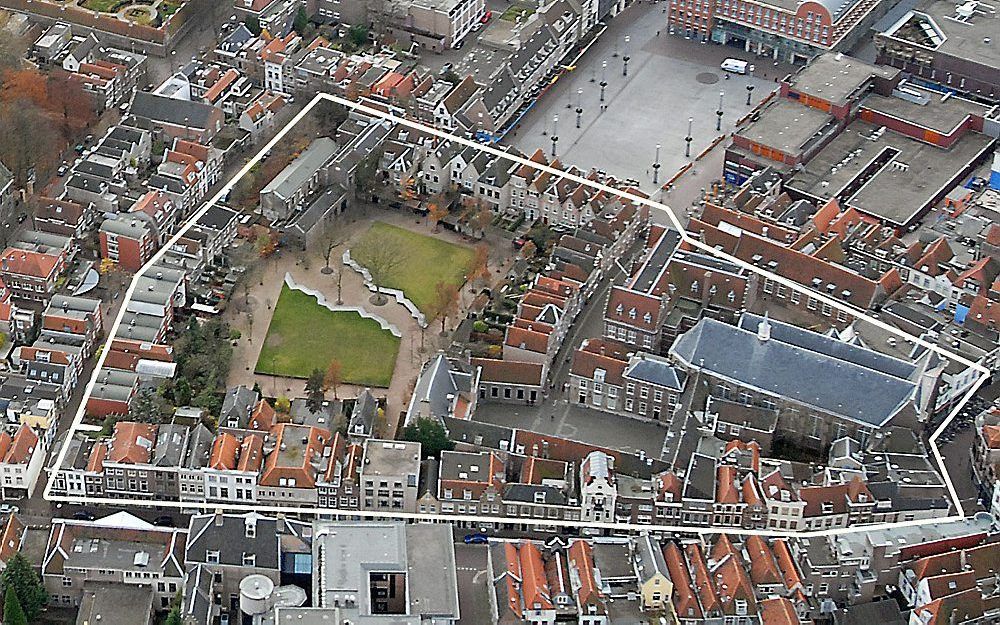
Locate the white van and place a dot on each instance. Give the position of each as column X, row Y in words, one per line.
column 735, row 66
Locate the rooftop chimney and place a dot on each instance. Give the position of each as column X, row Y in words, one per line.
column 764, row 329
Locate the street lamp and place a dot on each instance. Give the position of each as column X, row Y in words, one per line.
column 604, row 78
column 579, row 106
column 718, row 113
column 656, row 166
column 555, row 135
column 625, row 57
column 749, row 91
column 688, row 139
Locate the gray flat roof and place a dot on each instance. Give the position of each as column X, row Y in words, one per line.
column 963, row 40
column 347, row 552
column 891, row 194
column 392, row 458
column 941, row 114
column 834, row 77
column 787, row 126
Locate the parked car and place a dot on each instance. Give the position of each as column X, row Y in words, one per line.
column 475, row 539
column 486, row 17
column 446, row 68
column 164, row 520
column 62, row 171
column 8, row 509
column 83, row 515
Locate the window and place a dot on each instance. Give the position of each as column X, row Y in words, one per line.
column 212, row 557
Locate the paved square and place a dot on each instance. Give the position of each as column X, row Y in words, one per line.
column 669, row 79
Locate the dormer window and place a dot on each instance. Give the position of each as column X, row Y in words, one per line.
column 619, row 309
column 648, row 318
column 694, row 287
column 631, row 313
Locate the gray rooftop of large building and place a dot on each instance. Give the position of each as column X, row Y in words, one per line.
column 788, row 126
column 392, row 458
column 115, row 603
column 835, row 77
column 972, row 39
column 786, row 366
column 295, row 175
column 892, row 193
column 931, row 109
column 345, row 553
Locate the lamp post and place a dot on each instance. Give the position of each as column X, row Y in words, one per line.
column 749, row 92
column 718, row 113
column 604, row 78
column 579, row 106
column 688, row 139
column 555, row 135
column 625, row 57
column 656, row 166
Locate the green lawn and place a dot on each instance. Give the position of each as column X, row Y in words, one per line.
column 512, row 12
column 428, row 261
column 104, row 6
column 304, row 336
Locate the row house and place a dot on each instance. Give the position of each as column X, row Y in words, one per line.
column 233, row 469
column 129, row 241
column 670, row 290
column 22, row 457
column 69, row 315
column 118, row 549
column 260, row 115
column 30, row 275
column 81, row 473
column 277, row 59
column 64, row 217
column 168, row 118
column 185, row 174
column 953, row 587
column 543, row 318
column 340, row 485
column 234, row 546
column 510, row 381
column 608, row 376
column 293, row 461
column 503, row 484
column 986, row 451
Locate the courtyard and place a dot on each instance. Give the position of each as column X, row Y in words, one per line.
column 425, row 261
column 304, row 335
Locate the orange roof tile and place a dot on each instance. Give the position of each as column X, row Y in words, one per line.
column 223, row 456
column 778, row 611
column 132, row 442
column 534, row 587
column 251, row 454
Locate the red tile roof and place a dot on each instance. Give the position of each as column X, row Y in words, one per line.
column 581, row 556
column 763, row 569
column 223, row 456
column 251, row 454
column 624, row 304
column 509, row 371
column 28, row 263
column 778, row 611
column 529, row 340
column 534, row 587
column 22, row 446
column 991, row 435
column 132, row 442
column 685, row 601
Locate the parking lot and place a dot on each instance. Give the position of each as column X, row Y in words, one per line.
column 669, row 79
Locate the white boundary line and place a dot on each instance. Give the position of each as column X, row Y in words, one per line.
column 634, row 527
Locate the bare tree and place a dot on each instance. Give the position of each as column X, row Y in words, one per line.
column 445, row 302
column 382, row 256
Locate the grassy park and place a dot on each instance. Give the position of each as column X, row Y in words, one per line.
column 425, row 261
column 304, row 335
